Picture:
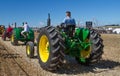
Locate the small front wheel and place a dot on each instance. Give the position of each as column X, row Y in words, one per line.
column 30, row 49
column 13, row 40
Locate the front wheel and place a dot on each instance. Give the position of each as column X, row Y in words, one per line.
column 30, row 49
column 13, row 40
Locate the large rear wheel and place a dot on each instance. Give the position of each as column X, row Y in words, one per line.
column 95, row 51
column 49, row 48
column 97, row 47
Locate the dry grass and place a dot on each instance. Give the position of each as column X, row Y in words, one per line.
column 111, row 46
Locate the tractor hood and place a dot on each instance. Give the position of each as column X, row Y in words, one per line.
column 82, row 33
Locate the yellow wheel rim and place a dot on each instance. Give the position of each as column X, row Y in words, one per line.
column 86, row 53
column 28, row 50
column 12, row 38
column 44, row 48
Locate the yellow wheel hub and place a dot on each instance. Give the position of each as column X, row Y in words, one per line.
column 86, row 53
column 12, row 38
column 28, row 50
column 44, row 48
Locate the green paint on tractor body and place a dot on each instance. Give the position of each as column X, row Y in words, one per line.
column 77, row 43
column 19, row 37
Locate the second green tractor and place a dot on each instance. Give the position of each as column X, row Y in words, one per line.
column 16, row 36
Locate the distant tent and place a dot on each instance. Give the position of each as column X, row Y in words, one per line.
column 117, row 30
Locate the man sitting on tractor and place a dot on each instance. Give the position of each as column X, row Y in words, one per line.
column 26, row 29
column 69, row 24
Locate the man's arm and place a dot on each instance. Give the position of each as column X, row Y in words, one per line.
column 64, row 20
column 74, row 22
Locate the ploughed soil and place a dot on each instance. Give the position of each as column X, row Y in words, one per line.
column 14, row 62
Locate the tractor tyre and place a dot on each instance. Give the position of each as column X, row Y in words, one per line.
column 29, row 41
column 13, row 39
column 30, row 49
column 50, row 48
column 96, row 49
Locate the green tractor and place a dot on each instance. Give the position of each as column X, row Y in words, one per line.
column 85, row 45
column 16, row 36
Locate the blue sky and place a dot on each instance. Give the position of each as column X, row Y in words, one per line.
column 35, row 11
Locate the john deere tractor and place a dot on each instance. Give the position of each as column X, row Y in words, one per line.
column 53, row 44
column 16, row 36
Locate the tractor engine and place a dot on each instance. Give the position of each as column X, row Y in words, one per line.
column 77, row 41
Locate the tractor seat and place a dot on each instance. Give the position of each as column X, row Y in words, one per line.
column 26, row 33
column 68, row 29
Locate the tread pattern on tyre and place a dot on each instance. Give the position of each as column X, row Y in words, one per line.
column 56, row 48
column 97, row 47
column 31, row 44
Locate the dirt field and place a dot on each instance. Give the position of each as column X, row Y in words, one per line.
column 14, row 62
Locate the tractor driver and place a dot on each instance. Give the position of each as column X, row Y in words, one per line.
column 69, row 23
column 26, row 29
